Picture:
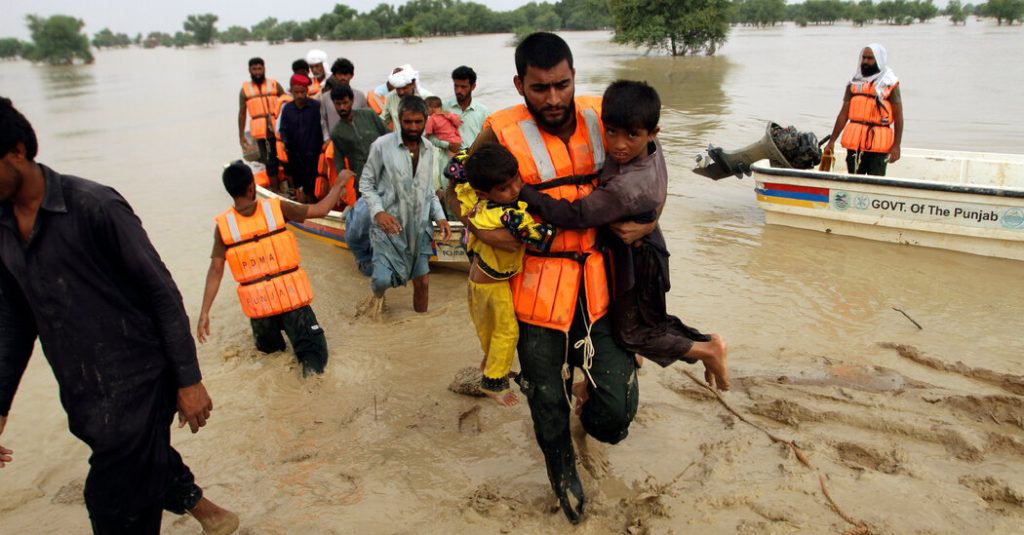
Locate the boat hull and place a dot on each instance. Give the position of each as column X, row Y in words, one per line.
column 971, row 202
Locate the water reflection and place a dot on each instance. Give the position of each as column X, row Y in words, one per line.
column 67, row 81
column 691, row 90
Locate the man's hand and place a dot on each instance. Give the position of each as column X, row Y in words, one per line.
column 194, row 406
column 5, row 454
column 344, row 175
column 446, row 229
column 631, row 231
column 387, row 223
column 203, row 328
column 894, row 153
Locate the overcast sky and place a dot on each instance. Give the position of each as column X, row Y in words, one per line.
column 143, row 16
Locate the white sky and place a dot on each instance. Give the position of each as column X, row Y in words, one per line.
column 143, row 16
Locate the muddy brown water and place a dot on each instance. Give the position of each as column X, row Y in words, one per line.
column 377, row 439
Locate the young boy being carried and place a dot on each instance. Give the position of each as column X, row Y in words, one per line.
column 488, row 189
column 632, row 186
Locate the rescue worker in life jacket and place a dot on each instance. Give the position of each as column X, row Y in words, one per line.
column 561, row 297
column 258, row 102
column 264, row 259
column 871, row 118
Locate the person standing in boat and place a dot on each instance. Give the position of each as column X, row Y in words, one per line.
column 871, row 119
column 470, row 110
column 404, row 82
column 264, row 259
column 342, row 72
column 258, row 101
column 299, row 126
column 398, row 187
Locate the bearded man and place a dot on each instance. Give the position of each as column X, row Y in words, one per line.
column 258, row 101
column 398, row 185
column 871, row 118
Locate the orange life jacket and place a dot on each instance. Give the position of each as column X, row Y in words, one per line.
column 261, row 103
column 870, row 126
column 262, row 178
column 282, row 155
column 546, row 291
column 375, row 102
column 327, row 175
column 264, row 259
column 314, row 87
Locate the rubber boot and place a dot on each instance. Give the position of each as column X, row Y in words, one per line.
column 561, row 465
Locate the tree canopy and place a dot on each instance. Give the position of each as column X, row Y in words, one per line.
column 677, row 26
column 57, row 40
column 201, row 28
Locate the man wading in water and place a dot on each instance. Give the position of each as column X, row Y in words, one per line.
column 78, row 272
column 561, row 297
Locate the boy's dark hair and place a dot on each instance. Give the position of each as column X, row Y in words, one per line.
column 14, row 129
column 464, row 73
column 413, row 103
column 256, row 61
column 433, row 102
column 629, row 104
column 542, row 50
column 299, row 65
column 237, row 177
column 490, row 166
column 342, row 66
column 341, row 92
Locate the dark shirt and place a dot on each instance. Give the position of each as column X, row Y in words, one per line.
column 93, row 289
column 300, row 130
column 353, row 140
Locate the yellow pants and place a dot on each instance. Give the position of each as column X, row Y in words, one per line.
column 490, row 305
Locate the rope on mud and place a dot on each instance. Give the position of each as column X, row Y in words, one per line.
column 908, row 317
column 859, row 526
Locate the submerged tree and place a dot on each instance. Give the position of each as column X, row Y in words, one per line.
column 11, row 48
column 108, row 39
column 679, row 27
column 57, row 40
column 955, row 12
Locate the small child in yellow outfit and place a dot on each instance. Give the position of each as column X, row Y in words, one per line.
column 488, row 191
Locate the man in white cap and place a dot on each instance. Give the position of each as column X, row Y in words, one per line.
column 316, row 58
column 405, row 82
column 871, row 118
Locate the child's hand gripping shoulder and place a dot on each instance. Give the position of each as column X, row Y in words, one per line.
column 527, row 230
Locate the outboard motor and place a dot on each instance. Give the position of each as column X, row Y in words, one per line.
column 783, row 147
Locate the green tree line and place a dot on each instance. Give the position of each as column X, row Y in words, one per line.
column 862, row 12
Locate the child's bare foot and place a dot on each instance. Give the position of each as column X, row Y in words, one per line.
column 214, row 519
column 580, row 392
column 507, row 398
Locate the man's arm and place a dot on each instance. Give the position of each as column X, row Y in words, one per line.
column 241, row 118
column 119, row 227
column 17, row 337
column 368, row 179
column 844, row 115
column 897, row 123
column 325, row 205
column 213, row 277
column 385, row 112
column 323, row 116
column 602, row 207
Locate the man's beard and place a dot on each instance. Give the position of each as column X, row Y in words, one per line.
column 545, row 122
column 463, row 99
column 869, row 70
column 411, row 137
column 258, row 78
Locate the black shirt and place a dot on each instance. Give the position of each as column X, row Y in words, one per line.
column 93, row 289
column 300, row 130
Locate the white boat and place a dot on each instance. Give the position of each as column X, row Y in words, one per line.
column 971, row 202
column 331, row 229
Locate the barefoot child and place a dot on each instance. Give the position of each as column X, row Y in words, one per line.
column 442, row 127
column 632, row 186
column 490, row 197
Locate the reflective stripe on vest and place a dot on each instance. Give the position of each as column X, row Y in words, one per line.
column 264, row 259
column 547, row 290
column 870, row 117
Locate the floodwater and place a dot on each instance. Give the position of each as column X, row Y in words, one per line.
column 374, row 444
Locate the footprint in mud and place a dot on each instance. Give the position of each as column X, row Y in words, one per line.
column 490, row 501
column 323, row 483
column 997, row 493
column 72, row 493
column 863, row 458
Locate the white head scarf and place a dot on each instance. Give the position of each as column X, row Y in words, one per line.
column 405, row 76
column 884, row 78
column 316, row 57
